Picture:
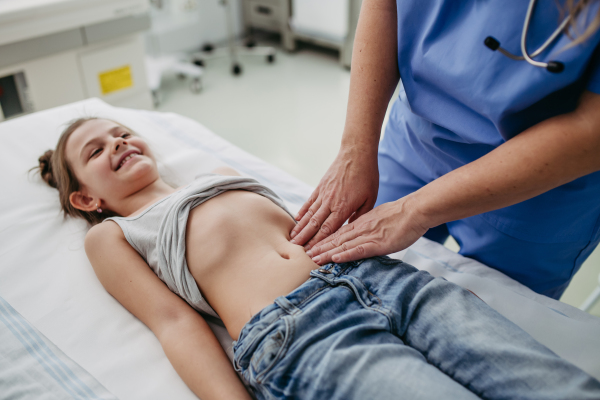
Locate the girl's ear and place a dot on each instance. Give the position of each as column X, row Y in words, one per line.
column 82, row 202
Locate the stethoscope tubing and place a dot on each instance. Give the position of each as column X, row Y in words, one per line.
column 543, row 47
column 552, row 66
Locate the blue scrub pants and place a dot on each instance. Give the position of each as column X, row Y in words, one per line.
column 546, row 268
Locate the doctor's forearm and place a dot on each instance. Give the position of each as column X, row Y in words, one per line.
column 374, row 74
column 547, row 155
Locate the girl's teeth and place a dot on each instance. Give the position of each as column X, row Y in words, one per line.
column 125, row 159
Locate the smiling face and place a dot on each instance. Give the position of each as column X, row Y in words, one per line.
column 109, row 162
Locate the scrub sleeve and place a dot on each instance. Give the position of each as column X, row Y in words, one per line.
column 459, row 100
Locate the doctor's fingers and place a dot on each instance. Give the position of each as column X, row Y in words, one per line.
column 310, row 223
column 343, row 235
column 330, row 229
column 311, row 200
column 362, row 210
column 308, row 209
column 333, row 222
column 356, row 249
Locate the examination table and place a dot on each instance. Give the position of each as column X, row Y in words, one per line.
column 63, row 336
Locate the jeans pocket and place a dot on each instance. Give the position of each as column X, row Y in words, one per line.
column 271, row 349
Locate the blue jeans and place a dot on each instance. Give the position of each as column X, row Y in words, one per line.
column 381, row 329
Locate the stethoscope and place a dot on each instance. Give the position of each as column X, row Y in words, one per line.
column 552, row 66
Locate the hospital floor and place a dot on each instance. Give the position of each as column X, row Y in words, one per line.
column 291, row 114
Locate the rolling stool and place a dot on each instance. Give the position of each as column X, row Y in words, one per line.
column 232, row 50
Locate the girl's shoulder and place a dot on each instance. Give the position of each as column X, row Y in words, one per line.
column 103, row 232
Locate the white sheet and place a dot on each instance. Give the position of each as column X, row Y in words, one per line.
column 45, row 275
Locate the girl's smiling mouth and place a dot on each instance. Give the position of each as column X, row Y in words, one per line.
column 126, row 157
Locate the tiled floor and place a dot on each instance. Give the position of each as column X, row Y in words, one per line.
column 291, row 114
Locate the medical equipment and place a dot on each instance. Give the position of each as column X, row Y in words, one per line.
column 14, row 96
column 272, row 16
column 46, row 277
column 158, row 62
column 233, row 51
column 551, row 66
column 329, row 24
column 61, row 51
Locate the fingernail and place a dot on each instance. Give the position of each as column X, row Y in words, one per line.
column 307, row 247
column 292, row 241
column 309, row 253
column 336, row 258
column 293, row 234
column 297, row 217
column 317, row 259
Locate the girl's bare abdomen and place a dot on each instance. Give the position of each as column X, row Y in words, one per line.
column 238, row 250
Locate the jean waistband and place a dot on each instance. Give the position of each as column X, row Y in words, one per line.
column 291, row 303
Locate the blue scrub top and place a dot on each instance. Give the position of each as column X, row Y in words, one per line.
column 461, row 100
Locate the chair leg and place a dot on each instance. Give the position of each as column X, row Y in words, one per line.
column 592, row 298
column 155, row 98
column 235, row 64
column 233, row 50
column 196, row 85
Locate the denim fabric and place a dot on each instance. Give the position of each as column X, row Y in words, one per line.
column 381, row 329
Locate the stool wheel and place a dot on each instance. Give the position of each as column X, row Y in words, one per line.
column 155, row 98
column 196, row 85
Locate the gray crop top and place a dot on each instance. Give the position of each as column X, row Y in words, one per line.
column 158, row 233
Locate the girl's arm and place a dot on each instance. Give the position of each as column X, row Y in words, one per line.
column 186, row 338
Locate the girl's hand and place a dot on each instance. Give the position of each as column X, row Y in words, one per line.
column 389, row 228
column 348, row 190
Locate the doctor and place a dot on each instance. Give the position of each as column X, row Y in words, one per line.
column 490, row 141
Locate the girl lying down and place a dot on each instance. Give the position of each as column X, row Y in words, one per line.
column 371, row 329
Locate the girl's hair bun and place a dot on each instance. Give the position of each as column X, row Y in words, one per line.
column 46, row 168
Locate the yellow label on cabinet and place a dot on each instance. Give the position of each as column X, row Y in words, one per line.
column 115, row 79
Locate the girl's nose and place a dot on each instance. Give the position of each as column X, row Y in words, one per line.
column 119, row 142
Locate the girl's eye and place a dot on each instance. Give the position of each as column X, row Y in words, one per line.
column 125, row 135
column 97, row 151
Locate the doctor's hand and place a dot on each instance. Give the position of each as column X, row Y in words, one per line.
column 389, row 228
column 348, row 190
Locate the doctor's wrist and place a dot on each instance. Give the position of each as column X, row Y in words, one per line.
column 413, row 207
column 364, row 140
column 359, row 154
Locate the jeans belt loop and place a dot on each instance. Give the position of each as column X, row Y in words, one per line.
column 286, row 305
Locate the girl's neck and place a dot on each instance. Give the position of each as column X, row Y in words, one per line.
column 143, row 198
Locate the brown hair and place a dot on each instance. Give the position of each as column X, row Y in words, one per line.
column 57, row 172
column 575, row 8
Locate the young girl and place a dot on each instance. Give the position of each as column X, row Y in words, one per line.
column 370, row 329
